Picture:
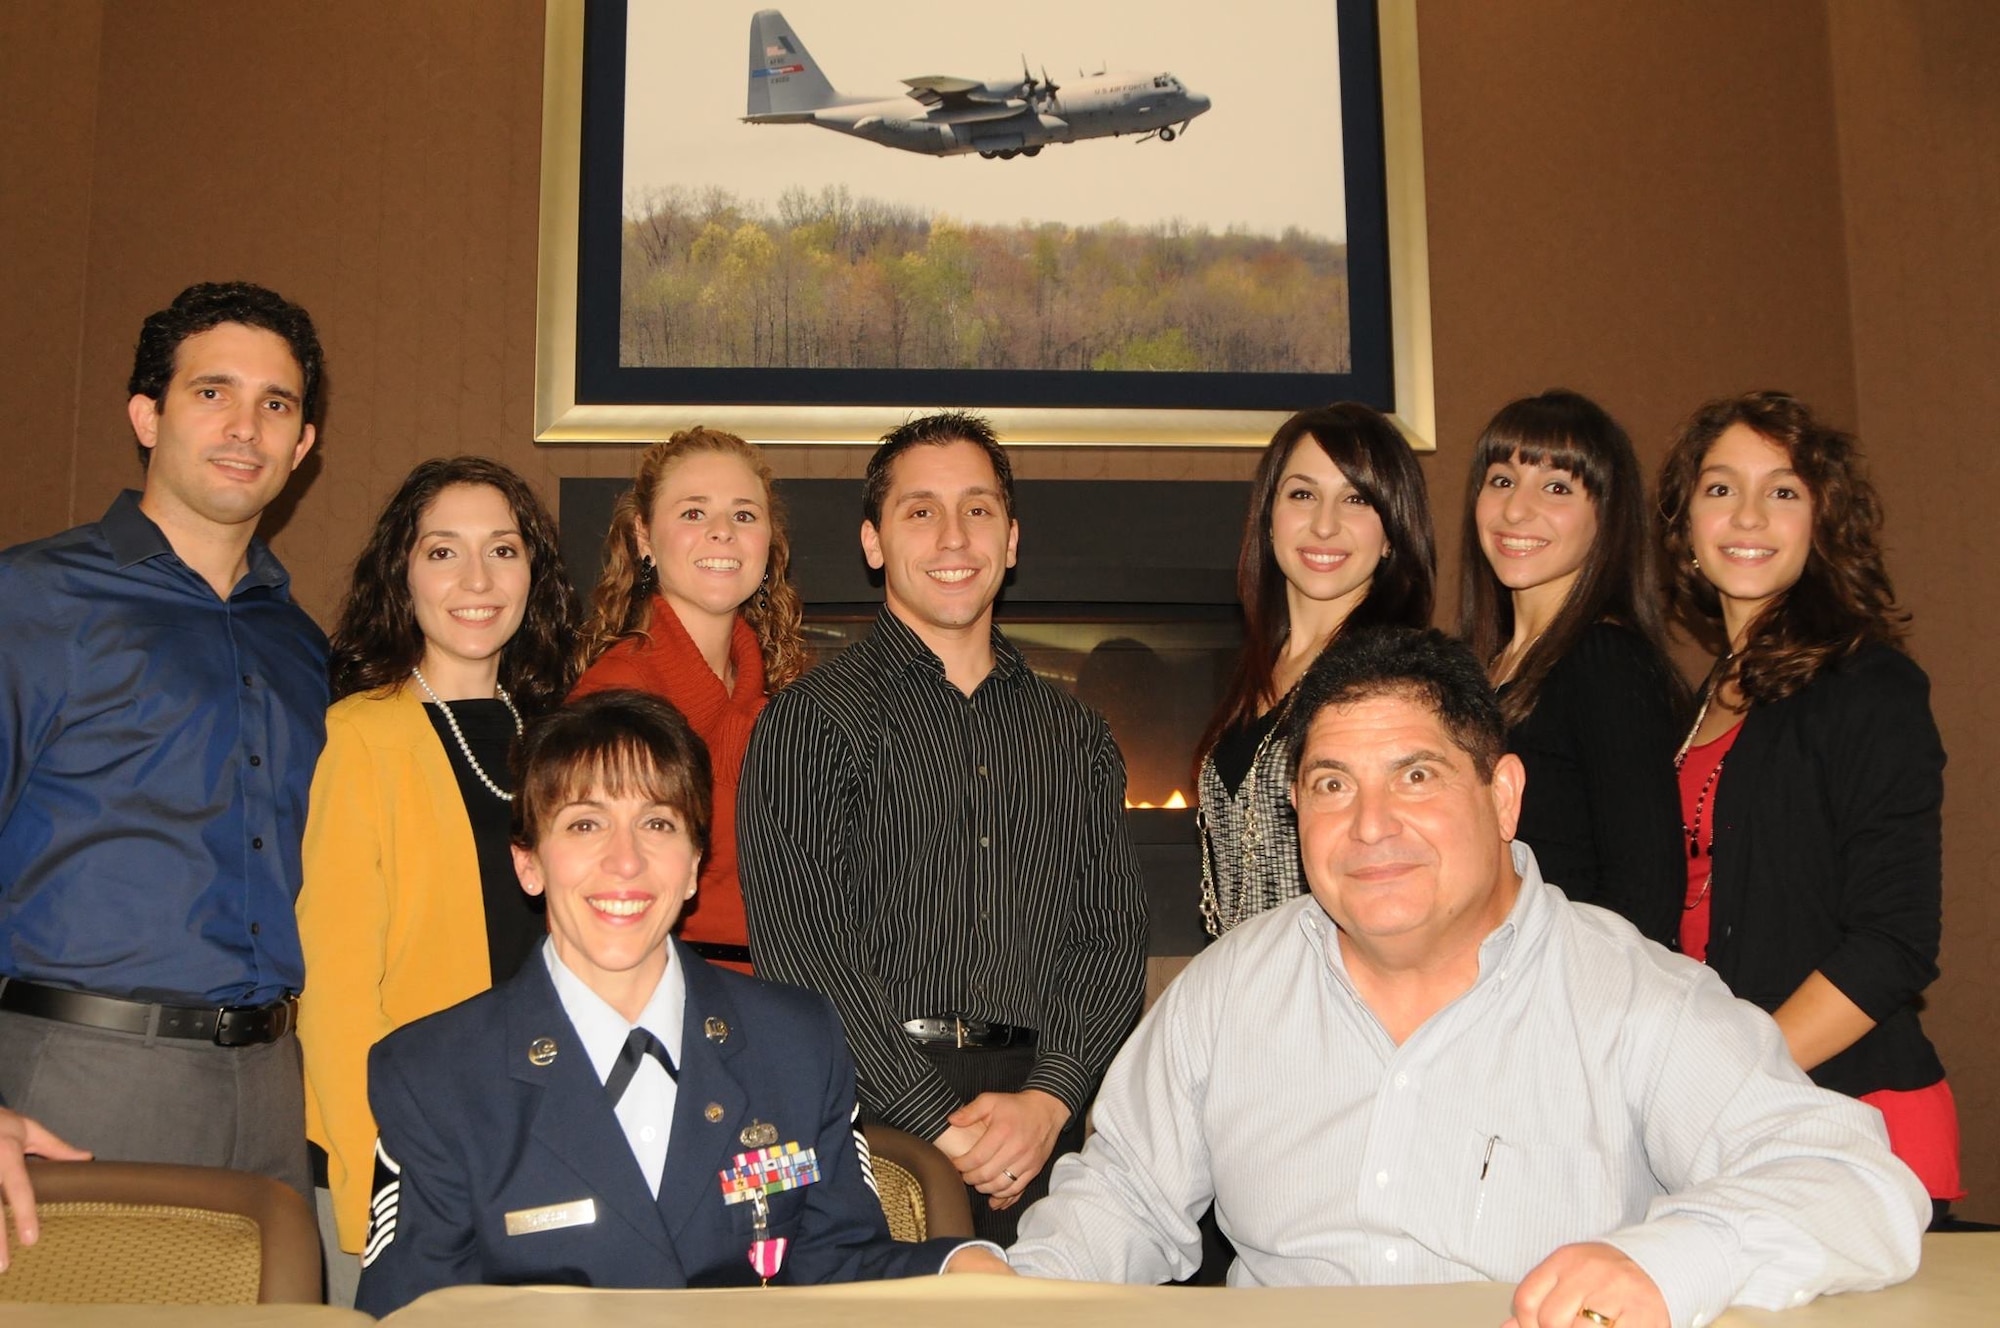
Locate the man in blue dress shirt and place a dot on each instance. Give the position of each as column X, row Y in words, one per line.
column 162, row 703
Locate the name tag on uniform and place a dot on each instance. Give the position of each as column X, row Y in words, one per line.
column 575, row 1213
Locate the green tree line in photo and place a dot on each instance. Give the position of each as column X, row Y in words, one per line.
column 831, row 281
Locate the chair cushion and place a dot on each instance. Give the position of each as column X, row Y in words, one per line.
column 117, row 1253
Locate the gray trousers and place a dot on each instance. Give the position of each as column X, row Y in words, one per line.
column 128, row 1097
column 343, row 1270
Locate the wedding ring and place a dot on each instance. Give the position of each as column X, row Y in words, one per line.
column 1010, row 1175
column 1601, row 1320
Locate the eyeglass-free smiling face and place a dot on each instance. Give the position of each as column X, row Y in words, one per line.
column 946, row 539
column 1537, row 526
column 616, row 869
column 1403, row 844
column 709, row 534
column 1750, row 524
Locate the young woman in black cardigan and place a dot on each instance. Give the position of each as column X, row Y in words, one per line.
column 1563, row 609
column 1813, row 778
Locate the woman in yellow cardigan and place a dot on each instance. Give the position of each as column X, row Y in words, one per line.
column 455, row 630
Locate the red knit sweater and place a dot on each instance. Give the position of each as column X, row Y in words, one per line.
column 668, row 665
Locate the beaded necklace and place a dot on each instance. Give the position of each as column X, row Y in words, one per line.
column 1693, row 833
column 464, row 747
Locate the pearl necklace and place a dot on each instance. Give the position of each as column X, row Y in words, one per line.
column 465, row 747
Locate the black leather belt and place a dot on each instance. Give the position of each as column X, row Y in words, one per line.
column 720, row 951
column 225, row 1026
column 952, row 1030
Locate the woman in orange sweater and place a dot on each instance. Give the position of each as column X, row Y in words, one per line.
column 695, row 605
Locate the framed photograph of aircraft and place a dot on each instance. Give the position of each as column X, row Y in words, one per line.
column 1131, row 222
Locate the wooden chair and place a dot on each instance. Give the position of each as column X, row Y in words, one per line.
column 143, row 1233
column 921, row 1193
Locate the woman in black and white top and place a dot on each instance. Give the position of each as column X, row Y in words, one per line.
column 1562, row 609
column 1339, row 532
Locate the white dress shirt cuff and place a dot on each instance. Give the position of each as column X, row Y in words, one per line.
column 1688, row 1260
column 986, row 1245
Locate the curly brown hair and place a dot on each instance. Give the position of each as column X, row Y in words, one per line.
column 622, row 603
column 378, row 642
column 1842, row 600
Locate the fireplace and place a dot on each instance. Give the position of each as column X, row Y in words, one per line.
column 1124, row 597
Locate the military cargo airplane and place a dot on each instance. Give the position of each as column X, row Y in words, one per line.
column 943, row 116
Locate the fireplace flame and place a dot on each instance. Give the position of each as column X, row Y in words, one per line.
column 1176, row 800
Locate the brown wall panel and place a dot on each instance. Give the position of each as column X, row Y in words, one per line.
column 1919, row 120
column 383, row 172
column 48, row 120
column 1614, row 190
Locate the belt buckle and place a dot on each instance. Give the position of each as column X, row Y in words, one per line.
column 958, row 1027
column 276, row 1021
column 226, row 1025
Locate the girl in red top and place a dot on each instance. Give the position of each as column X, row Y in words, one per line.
column 695, row 605
column 1812, row 781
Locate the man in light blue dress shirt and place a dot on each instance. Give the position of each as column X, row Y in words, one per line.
column 1436, row 1068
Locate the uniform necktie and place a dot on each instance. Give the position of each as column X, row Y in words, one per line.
column 639, row 1044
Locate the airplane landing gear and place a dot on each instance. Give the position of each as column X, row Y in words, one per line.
column 1034, row 151
column 1167, row 134
column 989, row 155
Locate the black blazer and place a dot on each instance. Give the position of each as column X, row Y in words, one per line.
column 1601, row 810
column 1829, row 856
column 474, row 1130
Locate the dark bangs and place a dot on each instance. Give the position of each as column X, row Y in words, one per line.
column 616, row 744
column 1558, row 429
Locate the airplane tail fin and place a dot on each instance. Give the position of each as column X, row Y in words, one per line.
column 785, row 83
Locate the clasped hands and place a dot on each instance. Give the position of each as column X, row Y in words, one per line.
column 1001, row 1141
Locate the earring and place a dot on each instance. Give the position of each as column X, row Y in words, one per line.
column 649, row 575
column 1696, row 561
column 764, row 593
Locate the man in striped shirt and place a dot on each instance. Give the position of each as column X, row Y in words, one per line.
column 1436, row 1068
column 933, row 836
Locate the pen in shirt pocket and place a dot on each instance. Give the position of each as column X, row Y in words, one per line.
column 1485, row 1165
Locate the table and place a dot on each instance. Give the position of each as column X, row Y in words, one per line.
column 1958, row 1286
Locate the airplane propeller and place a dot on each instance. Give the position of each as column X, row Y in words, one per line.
column 1043, row 89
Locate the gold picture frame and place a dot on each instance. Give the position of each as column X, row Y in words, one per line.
column 562, row 417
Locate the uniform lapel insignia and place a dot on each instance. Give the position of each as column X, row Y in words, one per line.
column 542, row 1051
column 715, row 1030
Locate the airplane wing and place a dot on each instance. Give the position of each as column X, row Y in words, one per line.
column 953, row 94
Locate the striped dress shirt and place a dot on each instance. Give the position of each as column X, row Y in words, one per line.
column 1589, row 1086
column 910, row 851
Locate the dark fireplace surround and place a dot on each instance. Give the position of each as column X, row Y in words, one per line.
column 1125, row 596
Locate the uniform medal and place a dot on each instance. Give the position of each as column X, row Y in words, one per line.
column 752, row 1178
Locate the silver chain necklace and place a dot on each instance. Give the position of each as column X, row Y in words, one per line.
column 464, row 747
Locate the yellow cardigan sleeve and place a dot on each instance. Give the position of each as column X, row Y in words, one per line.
column 391, row 914
column 344, row 906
